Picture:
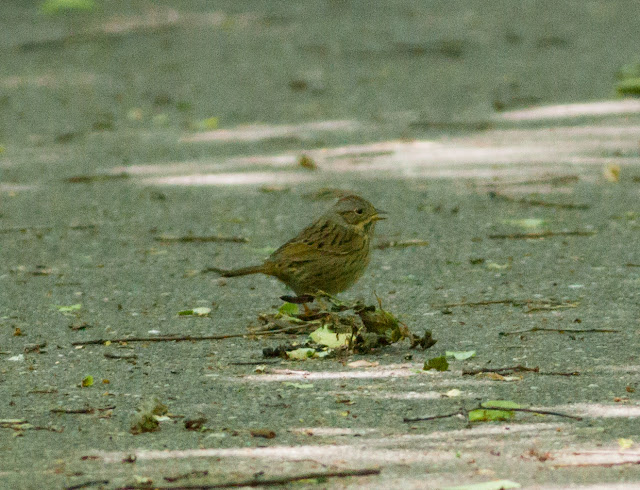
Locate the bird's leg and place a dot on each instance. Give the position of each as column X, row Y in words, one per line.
column 301, row 300
column 327, row 300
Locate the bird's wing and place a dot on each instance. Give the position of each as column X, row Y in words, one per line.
column 318, row 242
column 295, row 251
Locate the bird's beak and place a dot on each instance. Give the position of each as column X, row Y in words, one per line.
column 377, row 216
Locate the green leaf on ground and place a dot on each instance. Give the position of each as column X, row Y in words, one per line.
column 324, row 336
column 526, row 223
column 482, row 415
column 498, row 267
column 460, row 355
column 66, row 309
column 437, row 363
column 288, row 309
column 300, row 386
column 629, row 86
column 202, row 311
column 624, row 443
column 301, row 354
column 87, row 381
column 207, row 124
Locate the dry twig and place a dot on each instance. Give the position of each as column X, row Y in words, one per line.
column 200, row 239
column 559, row 330
column 87, row 484
column 278, row 480
column 435, row 417
column 533, row 305
column 182, row 338
column 465, row 413
column 518, row 368
column 542, row 234
column 537, row 202
column 86, row 410
column 514, row 302
column 383, row 244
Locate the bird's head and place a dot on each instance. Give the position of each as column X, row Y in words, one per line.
column 358, row 212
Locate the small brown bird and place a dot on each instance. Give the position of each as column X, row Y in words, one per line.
column 330, row 255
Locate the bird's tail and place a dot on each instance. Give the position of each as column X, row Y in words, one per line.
column 244, row 271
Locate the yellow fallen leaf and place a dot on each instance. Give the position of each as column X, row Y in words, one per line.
column 612, row 172
column 496, row 266
column 625, row 443
column 363, row 363
column 324, row 336
column 301, row 354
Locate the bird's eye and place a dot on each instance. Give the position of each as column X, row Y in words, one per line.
column 359, row 211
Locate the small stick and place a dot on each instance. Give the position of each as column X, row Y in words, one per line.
column 559, row 330
column 434, row 417
column 91, row 483
column 465, row 412
column 24, row 229
column 44, row 229
column 89, row 226
column 383, row 244
column 544, row 234
column 550, row 307
column 252, row 363
column 110, row 355
column 279, row 480
column 514, row 302
column 554, row 180
column 50, row 429
column 184, row 476
column 555, row 373
column 15, row 424
column 561, row 205
column 34, row 347
column 537, row 202
column 88, row 410
column 200, row 239
column 86, row 179
column 8, row 423
column 518, row 368
column 183, row 338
